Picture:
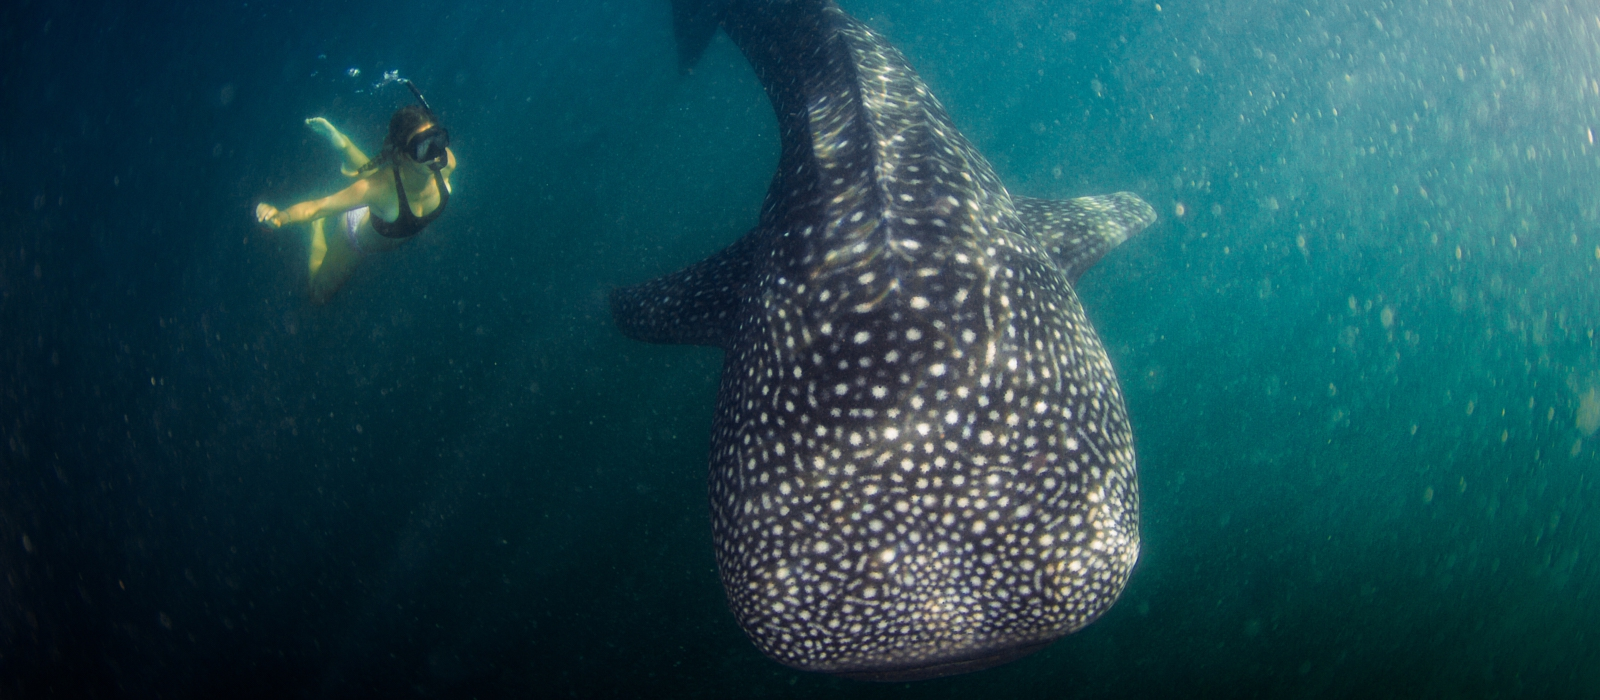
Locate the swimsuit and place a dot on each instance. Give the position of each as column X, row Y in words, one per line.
column 352, row 223
column 408, row 224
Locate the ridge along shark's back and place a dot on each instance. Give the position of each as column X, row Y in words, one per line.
column 921, row 462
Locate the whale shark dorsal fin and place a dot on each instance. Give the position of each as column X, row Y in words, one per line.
column 697, row 305
column 1077, row 232
column 694, row 23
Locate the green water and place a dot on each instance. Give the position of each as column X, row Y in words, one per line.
column 1358, row 347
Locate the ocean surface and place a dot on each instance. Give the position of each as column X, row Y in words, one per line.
column 1358, row 347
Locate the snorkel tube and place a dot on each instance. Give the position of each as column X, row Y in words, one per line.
column 416, row 93
column 427, row 147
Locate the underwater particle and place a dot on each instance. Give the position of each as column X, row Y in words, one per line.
column 1349, row 336
column 1588, row 419
column 1577, row 447
column 1387, row 317
column 1427, row 495
column 353, row 72
column 1178, row 210
column 27, row 544
column 1154, row 378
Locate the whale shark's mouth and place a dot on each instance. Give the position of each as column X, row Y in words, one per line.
column 944, row 667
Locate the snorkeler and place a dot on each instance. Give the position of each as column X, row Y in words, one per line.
column 398, row 194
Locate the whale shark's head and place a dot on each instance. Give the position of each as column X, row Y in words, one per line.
column 922, row 479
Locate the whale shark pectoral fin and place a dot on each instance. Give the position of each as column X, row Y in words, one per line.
column 695, row 22
column 697, row 305
column 1077, row 232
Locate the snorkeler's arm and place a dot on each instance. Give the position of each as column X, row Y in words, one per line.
column 449, row 167
column 341, row 201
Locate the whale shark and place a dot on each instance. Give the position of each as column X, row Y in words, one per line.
column 921, row 461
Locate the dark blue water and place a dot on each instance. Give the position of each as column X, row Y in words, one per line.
column 1358, row 348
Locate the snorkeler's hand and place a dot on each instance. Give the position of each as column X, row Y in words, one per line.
column 327, row 131
column 268, row 215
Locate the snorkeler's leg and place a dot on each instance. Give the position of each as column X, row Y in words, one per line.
column 338, row 262
column 353, row 157
column 336, row 269
column 319, row 244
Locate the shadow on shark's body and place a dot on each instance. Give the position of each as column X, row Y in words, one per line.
column 921, row 463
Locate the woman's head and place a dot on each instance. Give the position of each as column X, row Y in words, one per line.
column 415, row 133
column 405, row 122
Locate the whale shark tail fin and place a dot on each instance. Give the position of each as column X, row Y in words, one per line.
column 695, row 22
column 1078, row 232
column 698, row 305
